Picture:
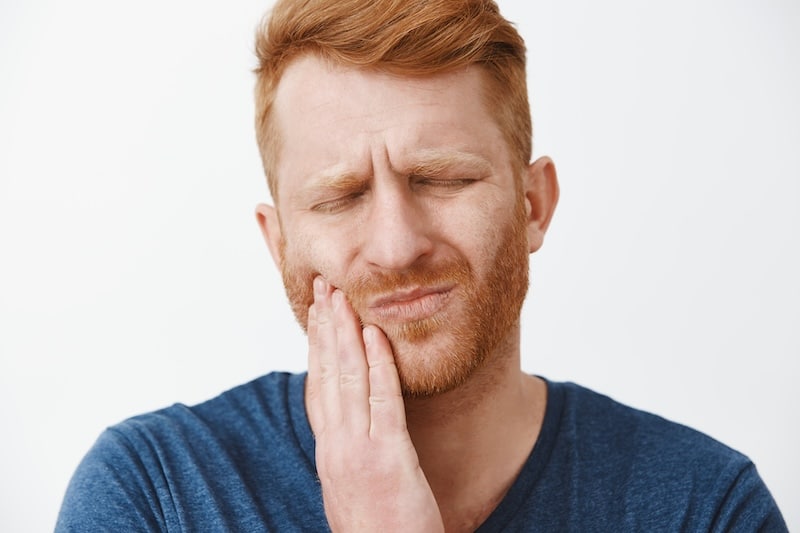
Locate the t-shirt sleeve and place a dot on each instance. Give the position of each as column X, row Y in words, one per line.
column 748, row 506
column 111, row 490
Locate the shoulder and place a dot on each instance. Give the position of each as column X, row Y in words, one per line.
column 169, row 466
column 599, row 422
column 270, row 400
column 609, row 435
column 653, row 467
column 256, row 417
column 262, row 407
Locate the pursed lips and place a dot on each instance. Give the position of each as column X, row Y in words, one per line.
column 413, row 304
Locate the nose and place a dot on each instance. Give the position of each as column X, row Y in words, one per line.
column 397, row 233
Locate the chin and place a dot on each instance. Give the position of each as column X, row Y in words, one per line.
column 428, row 368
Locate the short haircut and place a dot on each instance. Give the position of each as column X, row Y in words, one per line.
column 414, row 38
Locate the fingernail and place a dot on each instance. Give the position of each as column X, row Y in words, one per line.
column 369, row 335
column 319, row 287
column 337, row 299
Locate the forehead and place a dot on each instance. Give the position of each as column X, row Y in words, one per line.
column 330, row 116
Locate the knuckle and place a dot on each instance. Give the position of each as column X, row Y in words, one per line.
column 327, row 372
column 347, row 379
column 323, row 319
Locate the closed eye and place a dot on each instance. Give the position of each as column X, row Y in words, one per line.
column 337, row 204
column 445, row 184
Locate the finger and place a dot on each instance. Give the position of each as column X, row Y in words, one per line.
column 387, row 410
column 324, row 344
column 353, row 370
column 312, row 381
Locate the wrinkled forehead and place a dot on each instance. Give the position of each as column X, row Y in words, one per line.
column 330, row 115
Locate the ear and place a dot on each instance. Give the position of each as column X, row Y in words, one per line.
column 540, row 186
column 270, row 225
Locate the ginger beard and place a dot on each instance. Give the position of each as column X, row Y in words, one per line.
column 438, row 353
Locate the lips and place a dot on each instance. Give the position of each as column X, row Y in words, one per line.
column 412, row 304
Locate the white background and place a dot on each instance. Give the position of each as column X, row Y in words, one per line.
column 132, row 273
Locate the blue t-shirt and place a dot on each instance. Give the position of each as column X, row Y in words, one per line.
column 244, row 461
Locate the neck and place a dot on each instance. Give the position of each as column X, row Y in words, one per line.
column 473, row 441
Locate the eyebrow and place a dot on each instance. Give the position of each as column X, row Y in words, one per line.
column 437, row 162
column 429, row 162
column 335, row 181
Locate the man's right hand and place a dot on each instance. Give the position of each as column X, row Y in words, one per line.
column 369, row 470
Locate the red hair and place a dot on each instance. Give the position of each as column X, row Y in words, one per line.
column 404, row 37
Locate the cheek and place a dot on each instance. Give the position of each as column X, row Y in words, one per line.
column 478, row 235
column 303, row 260
column 307, row 255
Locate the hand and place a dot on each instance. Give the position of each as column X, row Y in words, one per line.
column 367, row 465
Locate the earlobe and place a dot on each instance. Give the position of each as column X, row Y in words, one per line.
column 270, row 225
column 541, row 196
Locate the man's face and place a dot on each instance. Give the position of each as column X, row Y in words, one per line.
column 401, row 193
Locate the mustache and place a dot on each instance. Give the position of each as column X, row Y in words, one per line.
column 361, row 289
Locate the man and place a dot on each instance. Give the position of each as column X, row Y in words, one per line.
column 396, row 140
